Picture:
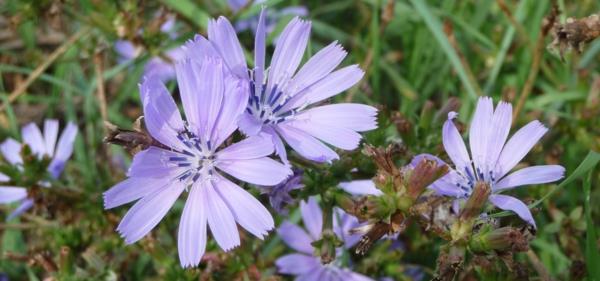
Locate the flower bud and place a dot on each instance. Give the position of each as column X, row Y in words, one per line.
column 504, row 239
column 476, row 201
column 424, row 174
column 327, row 245
column 461, row 230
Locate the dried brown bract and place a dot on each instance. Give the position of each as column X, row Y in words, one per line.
column 575, row 33
column 133, row 141
column 425, row 173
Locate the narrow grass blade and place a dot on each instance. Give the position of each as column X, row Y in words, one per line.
column 591, row 248
column 434, row 24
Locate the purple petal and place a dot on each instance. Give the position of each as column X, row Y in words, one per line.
column 162, row 69
column 50, row 135
column 132, row 189
column 334, row 135
column 235, row 5
column 250, row 148
column 319, row 273
column 455, row 146
column 223, row 36
column 510, row 203
column 312, row 216
column 295, row 237
column 168, row 26
column 317, row 67
column 152, row 163
column 159, row 69
column 9, row 194
column 32, row 136
column 259, row 50
column 191, row 237
column 4, row 177
column 360, row 187
column 234, row 104
column 353, row 276
column 518, row 146
column 11, row 150
column 288, row 52
column 64, row 149
column 306, row 145
column 499, row 130
column 331, row 85
column 420, row 157
column 220, row 219
column 297, row 264
column 201, row 89
column 249, row 124
column 531, row 175
column 247, row 211
column 342, row 224
column 148, row 212
column 446, row 185
column 279, row 146
column 480, row 132
column 198, row 49
column 25, row 205
column 262, row 171
column 353, row 116
column 125, row 50
column 161, row 114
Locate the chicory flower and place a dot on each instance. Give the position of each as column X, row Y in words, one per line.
column 194, row 157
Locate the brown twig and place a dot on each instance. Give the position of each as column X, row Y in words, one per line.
column 100, row 93
column 547, row 25
column 539, row 267
column 42, row 67
column 4, row 226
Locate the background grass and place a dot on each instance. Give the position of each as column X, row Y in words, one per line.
column 417, row 55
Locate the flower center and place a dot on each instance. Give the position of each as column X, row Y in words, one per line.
column 198, row 160
column 269, row 105
column 468, row 179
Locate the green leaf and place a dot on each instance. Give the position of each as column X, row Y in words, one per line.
column 190, row 11
column 591, row 249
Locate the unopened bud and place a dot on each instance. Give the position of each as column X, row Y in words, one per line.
column 403, row 125
column 476, row 202
column 383, row 157
column 380, row 207
column 462, row 229
column 424, row 174
column 449, row 264
column 504, row 239
column 426, row 115
column 345, row 201
column 327, row 245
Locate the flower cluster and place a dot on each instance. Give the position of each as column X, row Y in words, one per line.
column 219, row 94
column 42, row 145
column 304, row 264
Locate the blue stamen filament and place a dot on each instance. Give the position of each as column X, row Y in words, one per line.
column 267, row 108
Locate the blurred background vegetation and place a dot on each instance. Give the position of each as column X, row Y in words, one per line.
column 57, row 59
